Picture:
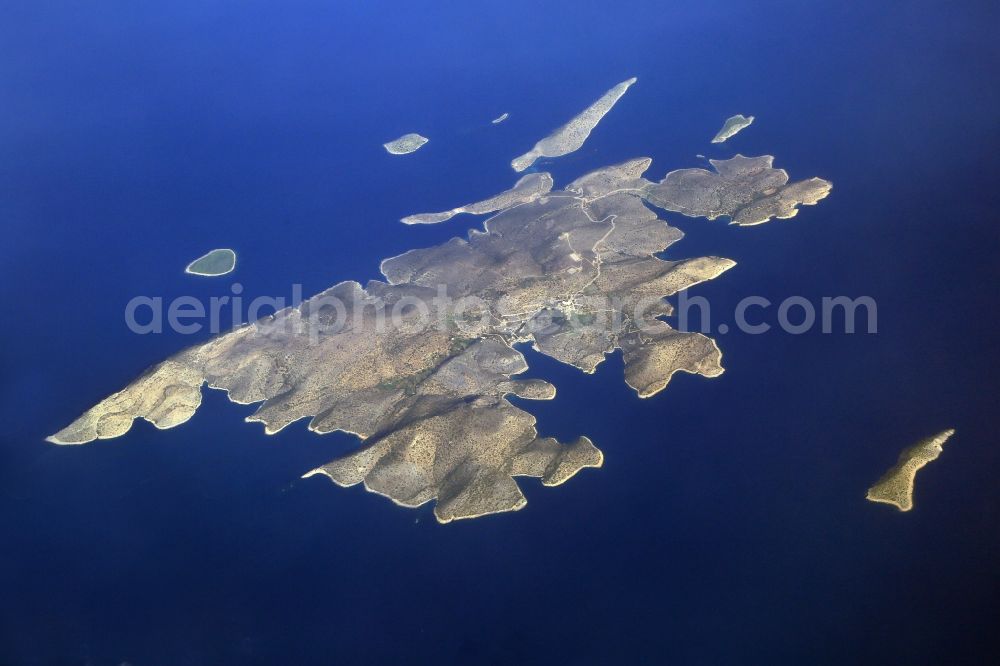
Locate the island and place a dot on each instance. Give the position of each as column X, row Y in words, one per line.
column 215, row 263
column 571, row 136
column 732, row 127
column 499, row 119
column 405, row 144
column 421, row 365
column 896, row 486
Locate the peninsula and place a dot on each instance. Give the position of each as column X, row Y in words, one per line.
column 528, row 188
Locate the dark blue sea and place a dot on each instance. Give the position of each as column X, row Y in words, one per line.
column 729, row 523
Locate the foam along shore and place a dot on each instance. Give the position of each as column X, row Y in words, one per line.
column 499, row 119
column 733, row 126
column 528, row 188
column 571, row 136
column 896, row 486
column 215, row 263
column 405, row 144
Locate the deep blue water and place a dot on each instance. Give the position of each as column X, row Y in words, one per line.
column 728, row 524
